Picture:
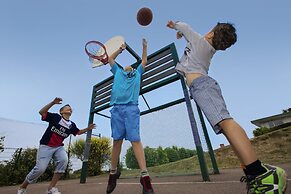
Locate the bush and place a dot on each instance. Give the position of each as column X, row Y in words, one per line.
column 14, row 171
column 260, row 131
column 99, row 157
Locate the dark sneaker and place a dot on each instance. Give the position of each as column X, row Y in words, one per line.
column 112, row 181
column 274, row 181
column 146, row 184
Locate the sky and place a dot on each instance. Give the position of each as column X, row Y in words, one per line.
column 42, row 57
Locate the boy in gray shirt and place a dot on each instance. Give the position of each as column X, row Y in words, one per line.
column 194, row 66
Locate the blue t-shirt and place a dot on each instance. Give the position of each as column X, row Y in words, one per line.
column 126, row 85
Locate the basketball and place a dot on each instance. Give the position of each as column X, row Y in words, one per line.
column 144, row 16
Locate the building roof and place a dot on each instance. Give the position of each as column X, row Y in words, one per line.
column 271, row 118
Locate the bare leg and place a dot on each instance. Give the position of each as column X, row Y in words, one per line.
column 116, row 149
column 239, row 141
column 55, row 179
column 139, row 154
column 24, row 184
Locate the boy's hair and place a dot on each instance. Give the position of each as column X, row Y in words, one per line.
column 64, row 107
column 224, row 36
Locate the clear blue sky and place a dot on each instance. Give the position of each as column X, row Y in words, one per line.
column 42, row 53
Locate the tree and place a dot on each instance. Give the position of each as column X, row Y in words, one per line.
column 186, row 153
column 99, row 153
column 172, row 154
column 191, row 153
column 130, row 159
column 1, row 144
column 182, row 153
column 158, row 156
column 286, row 110
column 151, row 156
column 162, row 156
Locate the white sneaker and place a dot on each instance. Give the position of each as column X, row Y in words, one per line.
column 53, row 190
column 21, row 191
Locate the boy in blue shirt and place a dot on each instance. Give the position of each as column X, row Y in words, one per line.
column 125, row 117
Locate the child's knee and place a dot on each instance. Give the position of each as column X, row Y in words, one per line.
column 61, row 165
column 135, row 143
column 40, row 168
column 63, row 161
column 226, row 124
column 117, row 142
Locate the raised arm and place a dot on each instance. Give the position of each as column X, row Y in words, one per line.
column 183, row 30
column 144, row 52
column 45, row 109
column 112, row 57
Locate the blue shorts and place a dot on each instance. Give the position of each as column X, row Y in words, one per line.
column 207, row 94
column 125, row 122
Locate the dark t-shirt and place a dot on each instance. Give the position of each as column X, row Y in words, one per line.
column 58, row 130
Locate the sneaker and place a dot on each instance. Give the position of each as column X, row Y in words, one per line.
column 112, row 181
column 21, row 191
column 274, row 181
column 53, row 190
column 146, row 185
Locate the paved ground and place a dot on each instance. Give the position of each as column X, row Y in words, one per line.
column 225, row 183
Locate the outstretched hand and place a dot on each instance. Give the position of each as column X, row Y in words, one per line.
column 122, row 47
column 57, row 100
column 171, row 24
column 91, row 126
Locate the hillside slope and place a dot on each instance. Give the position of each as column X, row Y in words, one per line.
column 272, row 148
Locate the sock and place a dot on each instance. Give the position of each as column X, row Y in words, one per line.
column 243, row 167
column 144, row 173
column 255, row 168
column 113, row 171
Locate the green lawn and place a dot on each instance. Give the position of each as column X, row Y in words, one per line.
column 272, row 148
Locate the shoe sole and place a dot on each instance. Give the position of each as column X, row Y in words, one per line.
column 285, row 182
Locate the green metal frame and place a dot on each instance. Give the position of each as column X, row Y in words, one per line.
column 196, row 137
column 168, row 80
column 207, row 139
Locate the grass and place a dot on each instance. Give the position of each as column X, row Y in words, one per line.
column 272, row 148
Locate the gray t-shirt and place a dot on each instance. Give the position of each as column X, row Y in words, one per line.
column 197, row 54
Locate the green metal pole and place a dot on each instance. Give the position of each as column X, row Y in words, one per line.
column 88, row 142
column 200, row 154
column 86, row 152
column 67, row 172
column 208, row 142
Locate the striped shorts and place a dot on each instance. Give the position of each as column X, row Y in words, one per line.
column 207, row 94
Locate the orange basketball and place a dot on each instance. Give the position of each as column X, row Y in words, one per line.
column 144, row 16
